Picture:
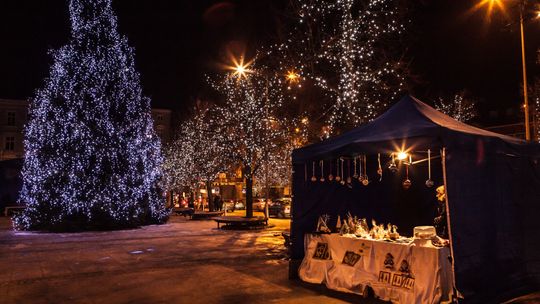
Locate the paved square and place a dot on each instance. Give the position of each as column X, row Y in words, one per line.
column 180, row 262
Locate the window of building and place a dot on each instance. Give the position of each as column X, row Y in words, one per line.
column 10, row 118
column 10, row 143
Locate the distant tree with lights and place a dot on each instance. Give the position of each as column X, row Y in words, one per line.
column 460, row 107
column 200, row 151
column 92, row 160
column 351, row 50
column 535, row 98
column 251, row 99
column 276, row 167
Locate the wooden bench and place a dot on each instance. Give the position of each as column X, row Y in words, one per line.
column 205, row 215
column 183, row 211
column 241, row 222
column 13, row 209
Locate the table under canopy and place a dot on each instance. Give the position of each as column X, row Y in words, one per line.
column 397, row 272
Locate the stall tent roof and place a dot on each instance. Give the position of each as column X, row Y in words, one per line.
column 409, row 118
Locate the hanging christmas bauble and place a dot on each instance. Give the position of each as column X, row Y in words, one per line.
column 430, row 183
column 343, row 182
column 407, row 184
column 379, row 171
column 349, row 180
column 338, row 178
column 361, row 178
column 365, row 182
column 313, row 178
column 393, row 168
column 330, row 177
column 322, row 179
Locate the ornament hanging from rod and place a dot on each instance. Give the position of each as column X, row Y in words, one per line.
column 342, row 175
column 393, row 168
column 365, row 181
column 330, row 176
column 407, row 182
column 429, row 182
column 338, row 178
column 313, row 178
column 355, row 176
column 379, row 168
column 361, row 176
column 349, row 179
column 322, row 170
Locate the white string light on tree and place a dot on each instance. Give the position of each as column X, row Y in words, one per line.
column 348, row 47
column 92, row 160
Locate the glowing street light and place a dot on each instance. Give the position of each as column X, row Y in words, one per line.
column 239, row 68
column 490, row 5
column 292, row 77
column 499, row 3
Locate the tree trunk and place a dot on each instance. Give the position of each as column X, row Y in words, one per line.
column 209, row 195
column 249, row 192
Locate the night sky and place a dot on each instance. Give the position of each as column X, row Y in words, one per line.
column 449, row 47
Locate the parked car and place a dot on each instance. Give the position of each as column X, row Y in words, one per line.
column 229, row 205
column 258, row 204
column 280, row 208
column 239, row 205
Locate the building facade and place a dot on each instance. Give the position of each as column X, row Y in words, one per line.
column 13, row 117
column 163, row 124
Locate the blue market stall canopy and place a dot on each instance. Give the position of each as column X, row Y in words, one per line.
column 492, row 192
column 410, row 120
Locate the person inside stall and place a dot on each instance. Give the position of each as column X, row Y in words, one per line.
column 440, row 222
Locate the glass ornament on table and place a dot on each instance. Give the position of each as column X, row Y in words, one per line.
column 322, row 224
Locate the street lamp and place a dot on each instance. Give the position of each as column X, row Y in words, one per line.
column 499, row 3
column 239, row 68
column 525, row 93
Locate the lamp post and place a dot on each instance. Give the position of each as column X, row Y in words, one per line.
column 524, row 67
column 499, row 3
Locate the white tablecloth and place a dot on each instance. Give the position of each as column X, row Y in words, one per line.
column 401, row 273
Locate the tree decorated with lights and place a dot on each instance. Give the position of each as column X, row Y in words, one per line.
column 460, row 108
column 535, row 98
column 535, row 94
column 351, row 50
column 277, row 166
column 199, row 153
column 92, row 157
column 248, row 116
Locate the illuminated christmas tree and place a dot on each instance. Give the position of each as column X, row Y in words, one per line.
column 92, row 157
column 351, row 50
